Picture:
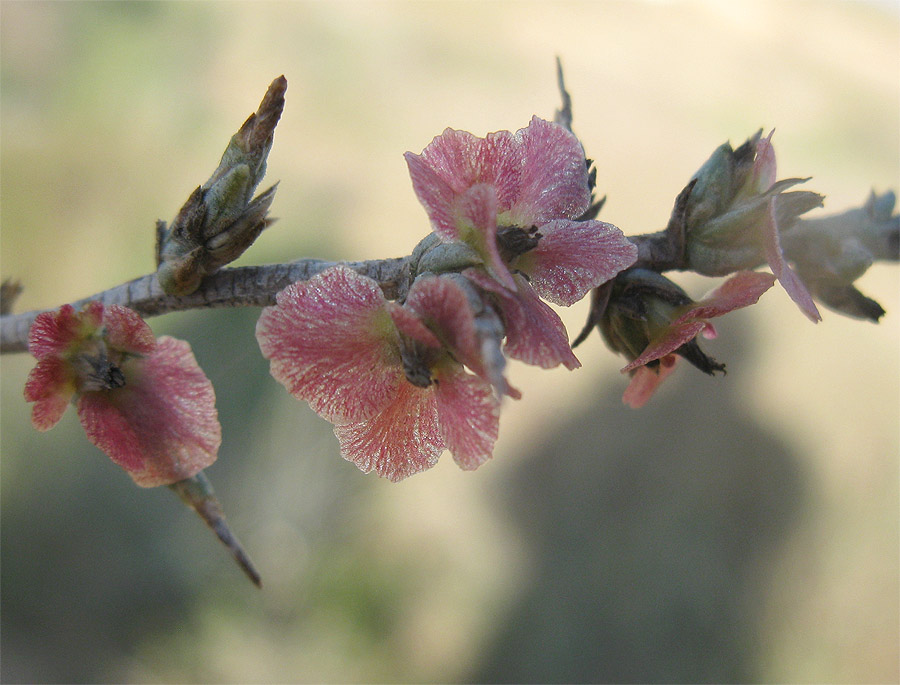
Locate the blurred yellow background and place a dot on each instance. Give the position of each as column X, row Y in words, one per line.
column 738, row 528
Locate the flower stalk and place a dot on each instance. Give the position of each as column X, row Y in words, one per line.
column 197, row 493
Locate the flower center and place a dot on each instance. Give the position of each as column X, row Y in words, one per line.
column 95, row 369
column 414, row 357
column 514, row 241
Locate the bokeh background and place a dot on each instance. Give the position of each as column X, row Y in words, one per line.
column 736, row 529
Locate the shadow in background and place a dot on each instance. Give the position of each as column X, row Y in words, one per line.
column 650, row 533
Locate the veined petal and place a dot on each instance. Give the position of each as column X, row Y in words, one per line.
column 672, row 338
column 162, row 426
column 411, row 325
column 445, row 309
column 50, row 386
column 783, row 272
column 127, row 331
column 554, row 181
column 332, row 343
column 435, row 194
column 53, row 332
column 645, row 381
column 475, row 213
column 534, row 332
column 740, row 290
column 455, row 161
column 574, row 257
column 765, row 169
column 468, row 414
column 401, row 440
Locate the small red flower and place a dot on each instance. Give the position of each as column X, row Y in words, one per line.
column 514, row 199
column 143, row 401
column 388, row 376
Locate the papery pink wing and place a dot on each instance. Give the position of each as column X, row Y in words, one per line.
column 126, row 330
column 534, row 333
column 455, row 161
column 554, row 182
column 475, row 213
column 443, row 306
column 740, row 290
column 331, row 342
column 435, row 194
column 574, row 257
column 411, row 325
column 645, row 381
column 672, row 338
column 162, row 426
column 52, row 332
column 783, row 272
column 50, row 386
column 468, row 414
column 765, row 169
column 401, row 440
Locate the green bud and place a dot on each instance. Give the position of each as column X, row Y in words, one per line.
column 727, row 212
column 832, row 252
column 221, row 219
column 447, row 257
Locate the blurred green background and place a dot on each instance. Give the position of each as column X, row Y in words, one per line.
column 739, row 528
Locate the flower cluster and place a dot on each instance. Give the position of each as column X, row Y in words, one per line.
column 143, row 401
column 392, row 376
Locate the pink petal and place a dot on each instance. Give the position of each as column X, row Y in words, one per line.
column 411, row 325
column 435, row 194
column 764, row 165
column 162, row 426
column 534, row 332
column 475, row 213
column 331, row 342
column 785, row 275
column 445, row 309
column 554, row 182
column 402, row 440
column 50, row 386
column 645, row 381
column 672, row 338
column 468, row 414
column 53, row 332
column 127, row 331
column 455, row 161
column 574, row 257
column 740, row 290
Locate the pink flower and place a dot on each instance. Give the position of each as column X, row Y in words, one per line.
column 143, row 401
column 687, row 322
column 386, row 375
column 513, row 198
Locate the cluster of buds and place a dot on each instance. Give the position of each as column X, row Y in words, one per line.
column 221, row 218
column 831, row 253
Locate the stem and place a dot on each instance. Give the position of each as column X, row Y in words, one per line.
column 249, row 286
column 197, row 493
